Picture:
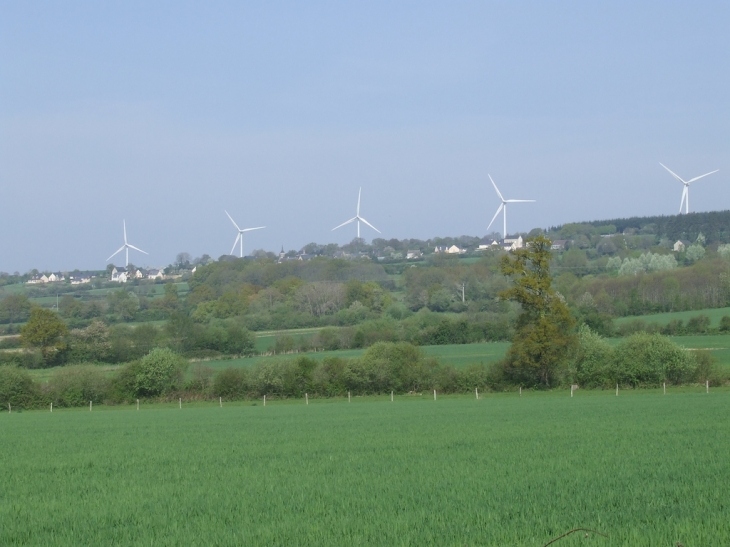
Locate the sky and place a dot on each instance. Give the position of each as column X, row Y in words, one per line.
column 165, row 114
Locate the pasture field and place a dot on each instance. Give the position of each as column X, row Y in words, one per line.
column 715, row 314
column 463, row 355
column 643, row 468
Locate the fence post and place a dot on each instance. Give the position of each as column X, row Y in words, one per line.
column 264, row 400
column 616, row 390
column 51, row 406
column 391, row 396
column 665, row 388
column 520, row 391
column 434, row 394
column 348, row 397
column 220, row 401
column 571, row 390
column 89, row 406
column 306, row 398
column 180, row 402
column 707, row 386
column 476, row 392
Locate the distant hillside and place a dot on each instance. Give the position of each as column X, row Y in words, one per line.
column 714, row 225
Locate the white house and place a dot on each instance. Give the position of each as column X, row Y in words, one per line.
column 155, row 274
column 559, row 245
column 119, row 275
column 414, row 254
column 512, row 244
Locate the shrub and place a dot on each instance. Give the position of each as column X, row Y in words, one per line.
column 725, row 321
column 698, row 324
column 649, row 359
column 592, row 365
column 231, row 383
column 18, row 389
column 160, row 371
column 76, row 385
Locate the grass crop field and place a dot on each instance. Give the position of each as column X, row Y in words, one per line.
column 463, row 355
column 715, row 314
column 457, row 355
column 643, row 468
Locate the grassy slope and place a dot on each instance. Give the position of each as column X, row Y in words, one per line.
column 645, row 469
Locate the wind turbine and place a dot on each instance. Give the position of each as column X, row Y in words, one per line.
column 685, row 192
column 357, row 218
column 239, row 237
column 503, row 206
column 125, row 247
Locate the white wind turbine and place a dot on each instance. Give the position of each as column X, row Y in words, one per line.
column 239, row 237
column 685, row 192
column 357, row 218
column 503, row 206
column 125, row 247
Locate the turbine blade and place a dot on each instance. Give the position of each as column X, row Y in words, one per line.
column 235, row 243
column 495, row 187
column 124, row 223
column 234, row 222
column 675, row 175
column 519, row 201
column 373, row 227
column 702, row 176
column 249, row 229
column 684, row 197
column 344, row 223
column 136, row 249
column 499, row 210
column 359, row 193
column 116, row 253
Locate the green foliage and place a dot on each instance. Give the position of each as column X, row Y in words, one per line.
column 44, row 331
column 14, row 308
column 543, row 336
column 649, row 359
column 18, row 389
column 124, row 304
column 90, row 344
column 76, row 385
column 160, row 371
column 231, row 383
column 593, row 362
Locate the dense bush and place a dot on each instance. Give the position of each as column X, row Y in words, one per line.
column 642, row 359
column 18, row 389
column 159, row 371
column 76, row 385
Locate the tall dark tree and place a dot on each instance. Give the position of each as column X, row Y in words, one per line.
column 544, row 334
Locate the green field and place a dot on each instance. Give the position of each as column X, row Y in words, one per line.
column 715, row 314
column 643, row 468
column 461, row 356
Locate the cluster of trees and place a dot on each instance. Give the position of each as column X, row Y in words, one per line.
column 49, row 341
column 642, row 359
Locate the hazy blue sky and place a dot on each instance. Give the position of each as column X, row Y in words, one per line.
column 167, row 113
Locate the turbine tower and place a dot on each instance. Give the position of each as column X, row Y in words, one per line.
column 357, row 218
column 239, row 237
column 685, row 192
column 125, row 247
column 503, row 206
